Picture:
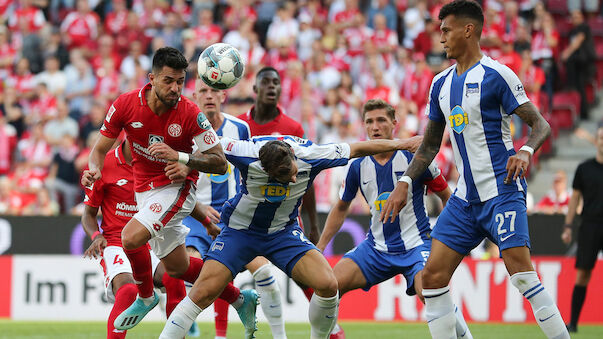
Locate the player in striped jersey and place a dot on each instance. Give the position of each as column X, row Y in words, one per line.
column 390, row 248
column 475, row 99
column 213, row 190
column 262, row 220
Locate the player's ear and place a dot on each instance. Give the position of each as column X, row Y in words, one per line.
column 469, row 28
column 151, row 77
column 222, row 96
column 255, row 89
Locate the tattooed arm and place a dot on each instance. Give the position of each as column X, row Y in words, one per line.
column 518, row 164
column 212, row 160
column 421, row 160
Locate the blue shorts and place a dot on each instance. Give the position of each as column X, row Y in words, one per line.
column 236, row 248
column 502, row 219
column 377, row 266
column 197, row 237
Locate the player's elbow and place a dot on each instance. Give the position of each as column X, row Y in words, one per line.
column 222, row 165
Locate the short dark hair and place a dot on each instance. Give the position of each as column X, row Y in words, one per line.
column 467, row 9
column 168, row 56
column 265, row 70
column 276, row 157
column 374, row 104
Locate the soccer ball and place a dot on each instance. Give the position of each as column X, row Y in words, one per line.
column 220, row 66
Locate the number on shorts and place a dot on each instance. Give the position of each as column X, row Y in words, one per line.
column 500, row 219
column 425, row 255
column 118, row 260
column 301, row 236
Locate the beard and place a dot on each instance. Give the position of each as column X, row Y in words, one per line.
column 167, row 102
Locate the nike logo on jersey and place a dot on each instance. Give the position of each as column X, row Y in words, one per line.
column 507, row 237
column 365, row 182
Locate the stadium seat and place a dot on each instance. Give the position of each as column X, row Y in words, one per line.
column 566, row 108
column 596, row 27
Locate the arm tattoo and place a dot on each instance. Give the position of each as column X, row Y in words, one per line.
column 540, row 127
column 210, row 161
column 428, row 149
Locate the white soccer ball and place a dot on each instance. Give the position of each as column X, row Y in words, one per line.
column 220, row 66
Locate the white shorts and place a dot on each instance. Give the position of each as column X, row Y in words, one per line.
column 161, row 211
column 114, row 262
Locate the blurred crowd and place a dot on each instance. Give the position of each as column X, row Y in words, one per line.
column 62, row 63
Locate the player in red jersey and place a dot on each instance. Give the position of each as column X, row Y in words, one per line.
column 161, row 127
column 267, row 118
column 114, row 195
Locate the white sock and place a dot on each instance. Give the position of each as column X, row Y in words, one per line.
column 180, row 320
column 323, row 315
column 462, row 330
column 270, row 294
column 439, row 311
column 545, row 311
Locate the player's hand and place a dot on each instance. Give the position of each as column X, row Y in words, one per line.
column 89, row 177
column 96, row 248
column 211, row 212
column 176, row 171
column 162, row 151
column 411, row 144
column 566, row 235
column 395, row 202
column 517, row 166
column 213, row 230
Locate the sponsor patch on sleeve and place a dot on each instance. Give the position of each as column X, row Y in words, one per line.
column 202, row 121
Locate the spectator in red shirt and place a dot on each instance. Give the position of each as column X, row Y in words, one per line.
column 509, row 57
column 8, row 142
column 116, row 20
column 384, row 39
column 557, row 199
column 207, row 33
column 23, row 81
column 532, row 77
column 80, row 27
column 30, row 16
column 423, row 41
column 8, row 55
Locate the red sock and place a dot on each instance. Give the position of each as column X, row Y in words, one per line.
column 124, row 297
column 230, row 293
column 140, row 259
column 194, row 268
column 175, row 292
column 308, row 292
column 221, row 313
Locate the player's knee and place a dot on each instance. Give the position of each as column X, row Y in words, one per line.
column 433, row 279
column 128, row 241
column 327, row 287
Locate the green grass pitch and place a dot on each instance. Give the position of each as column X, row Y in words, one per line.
column 354, row 330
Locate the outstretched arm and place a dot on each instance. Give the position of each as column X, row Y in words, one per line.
column 97, row 159
column 421, row 160
column 333, row 224
column 517, row 165
column 212, row 160
column 364, row 148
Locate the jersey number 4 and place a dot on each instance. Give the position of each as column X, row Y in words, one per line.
column 118, row 260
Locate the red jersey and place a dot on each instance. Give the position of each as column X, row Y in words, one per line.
column 114, row 194
column 281, row 125
column 81, row 28
column 33, row 17
column 177, row 128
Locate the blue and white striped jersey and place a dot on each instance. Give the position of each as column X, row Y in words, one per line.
column 411, row 228
column 477, row 107
column 267, row 206
column 215, row 189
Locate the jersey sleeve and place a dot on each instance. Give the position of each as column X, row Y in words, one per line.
column 204, row 135
column 433, row 109
column 94, row 196
column 240, row 153
column 114, row 121
column 510, row 89
column 323, row 156
column 349, row 187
